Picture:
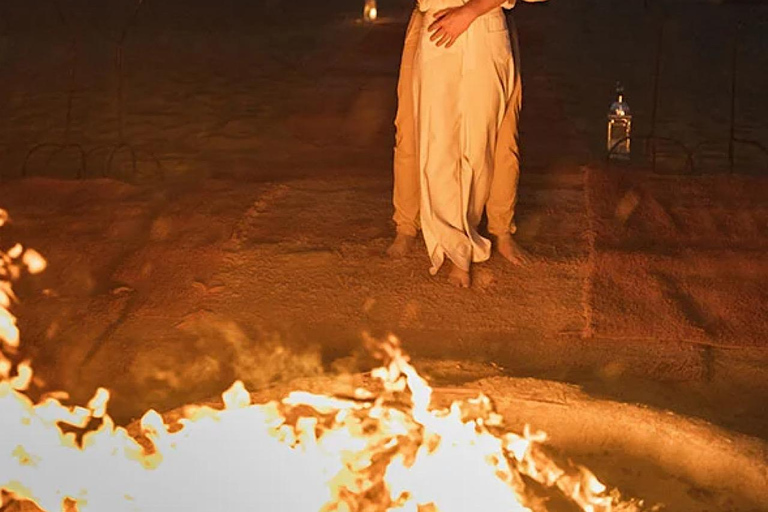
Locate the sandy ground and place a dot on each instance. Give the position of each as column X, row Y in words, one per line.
column 255, row 250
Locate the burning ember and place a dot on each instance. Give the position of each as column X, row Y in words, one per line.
column 382, row 448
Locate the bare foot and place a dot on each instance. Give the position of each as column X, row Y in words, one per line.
column 512, row 252
column 458, row 277
column 401, row 246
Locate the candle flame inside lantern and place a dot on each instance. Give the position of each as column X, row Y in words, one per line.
column 370, row 12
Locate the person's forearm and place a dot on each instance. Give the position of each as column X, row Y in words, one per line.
column 480, row 7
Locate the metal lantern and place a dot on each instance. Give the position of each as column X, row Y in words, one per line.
column 370, row 13
column 619, row 126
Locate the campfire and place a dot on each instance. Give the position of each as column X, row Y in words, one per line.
column 384, row 446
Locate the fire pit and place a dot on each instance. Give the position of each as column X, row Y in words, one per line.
column 678, row 463
column 375, row 442
column 684, row 464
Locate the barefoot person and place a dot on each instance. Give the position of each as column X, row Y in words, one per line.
column 467, row 96
column 500, row 206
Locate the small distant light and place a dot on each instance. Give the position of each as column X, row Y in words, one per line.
column 370, row 12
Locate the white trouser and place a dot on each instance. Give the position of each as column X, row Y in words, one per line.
column 460, row 98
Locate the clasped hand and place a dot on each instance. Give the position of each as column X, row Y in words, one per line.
column 449, row 24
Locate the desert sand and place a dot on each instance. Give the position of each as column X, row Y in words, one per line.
column 248, row 239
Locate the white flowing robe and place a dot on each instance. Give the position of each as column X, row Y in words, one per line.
column 460, row 94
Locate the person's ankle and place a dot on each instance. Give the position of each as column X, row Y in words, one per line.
column 401, row 245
